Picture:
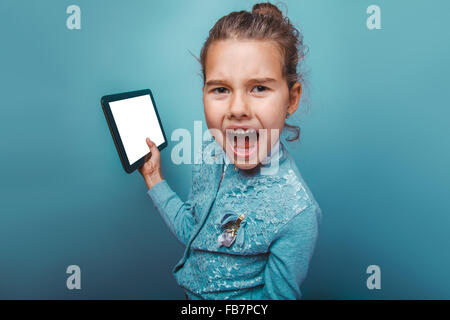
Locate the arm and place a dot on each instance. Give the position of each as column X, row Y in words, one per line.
column 290, row 254
column 178, row 215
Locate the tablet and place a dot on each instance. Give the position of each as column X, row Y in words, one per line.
column 132, row 117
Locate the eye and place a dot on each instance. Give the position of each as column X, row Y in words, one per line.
column 220, row 90
column 260, row 88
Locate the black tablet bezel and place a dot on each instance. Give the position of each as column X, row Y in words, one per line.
column 105, row 100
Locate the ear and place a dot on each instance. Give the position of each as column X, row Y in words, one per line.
column 294, row 97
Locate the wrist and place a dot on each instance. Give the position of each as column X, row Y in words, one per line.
column 150, row 181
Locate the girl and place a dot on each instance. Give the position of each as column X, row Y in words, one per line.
column 250, row 223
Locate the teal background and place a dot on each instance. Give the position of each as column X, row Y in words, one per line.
column 374, row 149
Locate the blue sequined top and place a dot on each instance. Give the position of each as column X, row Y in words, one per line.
column 267, row 256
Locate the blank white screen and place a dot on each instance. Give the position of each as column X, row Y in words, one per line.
column 136, row 120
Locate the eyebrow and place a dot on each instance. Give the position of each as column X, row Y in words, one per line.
column 258, row 80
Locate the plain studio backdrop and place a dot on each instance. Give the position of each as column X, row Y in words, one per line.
column 374, row 147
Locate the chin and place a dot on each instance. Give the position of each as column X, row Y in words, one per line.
column 247, row 166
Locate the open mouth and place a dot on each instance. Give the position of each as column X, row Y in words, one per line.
column 243, row 143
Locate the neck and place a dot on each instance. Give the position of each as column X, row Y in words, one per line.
column 274, row 155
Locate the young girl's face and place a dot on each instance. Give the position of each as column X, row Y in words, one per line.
column 245, row 87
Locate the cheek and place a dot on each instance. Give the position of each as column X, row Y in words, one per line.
column 213, row 113
column 272, row 115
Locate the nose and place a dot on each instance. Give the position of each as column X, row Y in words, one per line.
column 238, row 108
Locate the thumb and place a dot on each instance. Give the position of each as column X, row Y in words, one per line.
column 151, row 146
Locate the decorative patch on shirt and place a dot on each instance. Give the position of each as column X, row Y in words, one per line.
column 231, row 223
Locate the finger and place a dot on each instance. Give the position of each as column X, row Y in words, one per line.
column 152, row 146
column 149, row 143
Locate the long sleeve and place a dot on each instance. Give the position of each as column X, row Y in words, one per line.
column 179, row 216
column 290, row 254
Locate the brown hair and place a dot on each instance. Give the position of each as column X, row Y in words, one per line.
column 265, row 22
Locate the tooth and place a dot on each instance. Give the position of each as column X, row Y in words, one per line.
column 233, row 133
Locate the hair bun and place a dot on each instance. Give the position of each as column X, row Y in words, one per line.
column 267, row 8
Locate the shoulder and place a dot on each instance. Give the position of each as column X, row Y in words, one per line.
column 205, row 166
column 289, row 194
column 206, row 153
column 301, row 189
